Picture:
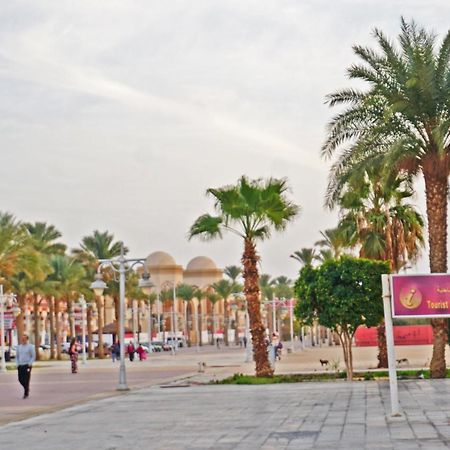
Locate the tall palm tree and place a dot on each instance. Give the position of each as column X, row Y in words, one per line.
column 65, row 283
column 213, row 298
column 305, row 256
column 43, row 239
column 21, row 266
column 283, row 287
column 199, row 294
column 249, row 209
column 224, row 288
column 376, row 217
column 332, row 241
column 186, row 293
column 101, row 245
column 403, row 119
column 233, row 273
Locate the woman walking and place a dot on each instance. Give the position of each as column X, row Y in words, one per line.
column 73, row 353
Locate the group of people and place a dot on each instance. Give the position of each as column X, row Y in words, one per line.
column 131, row 351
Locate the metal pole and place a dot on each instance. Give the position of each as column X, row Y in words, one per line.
column 2, row 305
column 149, row 323
column 395, row 409
column 274, row 315
column 83, row 327
column 291, row 323
column 175, row 314
column 122, row 372
column 158, row 318
column 134, row 313
column 172, row 322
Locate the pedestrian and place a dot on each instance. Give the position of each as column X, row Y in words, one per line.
column 244, row 340
column 73, row 354
column 114, row 351
column 25, row 356
column 141, row 352
column 131, row 351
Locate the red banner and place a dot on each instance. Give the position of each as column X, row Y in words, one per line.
column 420, row 295
column 403, row 335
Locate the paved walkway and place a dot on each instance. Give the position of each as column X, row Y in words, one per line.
column 327, row 415
column 332, row 415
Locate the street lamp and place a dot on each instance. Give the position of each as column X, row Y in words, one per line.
column 121, row 265
column 3, row 300
column 248, row 337
column 287, row 306
column 83, row 304
column 173, row 316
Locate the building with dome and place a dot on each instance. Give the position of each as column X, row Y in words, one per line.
column 196, row 319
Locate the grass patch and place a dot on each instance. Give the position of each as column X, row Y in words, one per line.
column 239, row 378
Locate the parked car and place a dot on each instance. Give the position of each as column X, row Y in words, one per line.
column 162, row 346
column 180, row 341
column 155, row 346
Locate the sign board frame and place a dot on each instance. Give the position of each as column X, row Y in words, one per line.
column 426, row 283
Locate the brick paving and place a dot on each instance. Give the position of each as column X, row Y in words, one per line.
column 326, row 415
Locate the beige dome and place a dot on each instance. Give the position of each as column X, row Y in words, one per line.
column 201, row 263
column 159, row 259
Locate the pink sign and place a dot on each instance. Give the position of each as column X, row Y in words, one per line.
column 420, row 295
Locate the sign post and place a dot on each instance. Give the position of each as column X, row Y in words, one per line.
column 411, row 296
column 395, row 409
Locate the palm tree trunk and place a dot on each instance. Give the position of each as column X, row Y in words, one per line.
column 57, row 330
column 89, row 330
column 382, row 346
column 251, row 291
column 199, row 323
column 212, row 324
column 37, row 322
column 20, row 318
column 226, row 320
column 51, row 303
column 436, row 189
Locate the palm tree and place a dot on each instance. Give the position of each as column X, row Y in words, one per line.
column 101, row 245
column 305, row 256
column 21, row 266
column 65, row 284
column 224, row 288
column 186, row 292
column 250, row 209
column 199, row 294
column 332, row 241
column 43, row 239
column 376, row 217
column 233, row 273
column 213, row 298
column 403, row 119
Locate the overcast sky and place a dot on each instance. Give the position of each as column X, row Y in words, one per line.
column 118, row 115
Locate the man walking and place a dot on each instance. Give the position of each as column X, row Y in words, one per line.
column 25, row 356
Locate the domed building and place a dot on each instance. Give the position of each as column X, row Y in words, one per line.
column 163, row 269
column 202, row 271
column 171, row 315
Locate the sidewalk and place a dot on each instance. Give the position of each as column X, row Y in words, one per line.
column 178, row 412
column 332, row 415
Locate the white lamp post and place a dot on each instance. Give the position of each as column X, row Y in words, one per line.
column 121, row 265
column 82, row 303
column 3, row 300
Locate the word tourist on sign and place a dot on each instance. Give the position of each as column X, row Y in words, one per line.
column 420, row 295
